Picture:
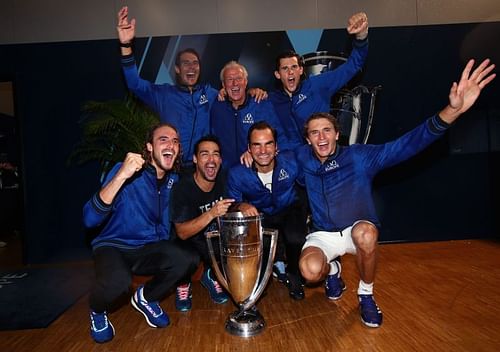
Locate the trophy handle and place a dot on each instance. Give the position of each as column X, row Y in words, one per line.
column 220, row 277
column 272, row 250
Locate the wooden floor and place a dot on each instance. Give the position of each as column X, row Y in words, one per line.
column 438, row 296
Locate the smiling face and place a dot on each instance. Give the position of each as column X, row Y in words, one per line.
column 208, row 161
column 188, row 69
column 289, row 73
column 235, row 83
column 164, row 149
column 263, row 148
column 322, row 137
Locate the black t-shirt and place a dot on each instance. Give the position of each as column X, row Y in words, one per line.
column 188, row 201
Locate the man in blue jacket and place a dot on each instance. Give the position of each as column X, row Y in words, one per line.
column 269, row 187
column 339, row 185
column 230, row 120
column 131, row 212
column 298, row 98
column 186, row 105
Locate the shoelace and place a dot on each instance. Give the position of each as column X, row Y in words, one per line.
column 99, row 320
column 369, row 305
column 217, row 287
column 183, row 292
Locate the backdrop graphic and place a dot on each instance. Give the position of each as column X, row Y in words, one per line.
column 447, row 192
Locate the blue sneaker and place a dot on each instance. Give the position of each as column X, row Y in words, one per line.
column 334, row 285
column 279, row 272
column 183, row 297
column 371, row 315
column 152, row 311
column 101, row 328
column 215, row 291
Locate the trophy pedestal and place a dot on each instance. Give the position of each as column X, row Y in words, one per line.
column 245, row 323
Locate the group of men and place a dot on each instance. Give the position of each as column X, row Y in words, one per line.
column 276, row 157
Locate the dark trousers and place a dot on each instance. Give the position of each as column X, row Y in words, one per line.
column 291, row 226
column 164, row 260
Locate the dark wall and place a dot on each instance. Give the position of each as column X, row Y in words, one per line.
column 449, row 191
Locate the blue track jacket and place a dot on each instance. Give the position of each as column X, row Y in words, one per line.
column 231, row 126
column 188, row 111
column 138, row 215
column 314, row 94
column 244, row 185
column 340, row 189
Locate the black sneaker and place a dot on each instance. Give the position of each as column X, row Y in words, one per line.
column 295, row 289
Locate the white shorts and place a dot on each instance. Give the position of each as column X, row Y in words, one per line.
column 333, row 244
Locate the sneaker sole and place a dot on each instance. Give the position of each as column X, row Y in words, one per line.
column 134, row 304
column 370, row 325
column 336, row 298
column 183, row 310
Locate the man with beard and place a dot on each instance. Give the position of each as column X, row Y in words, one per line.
column 186, row 105
column 339, row 186
column 298, row 99
column 131, row 212
column 197, row 201
column 230, row 120
column 269, row 187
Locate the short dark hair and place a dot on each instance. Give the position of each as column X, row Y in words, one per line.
column 286, row 55
column 262, row 125
column 207, row 138
column 322, row 115
column 187, row 50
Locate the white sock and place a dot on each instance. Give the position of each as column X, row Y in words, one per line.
column 364, row 288
column 335, row 268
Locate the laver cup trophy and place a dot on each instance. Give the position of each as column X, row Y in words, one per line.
column 239, row 270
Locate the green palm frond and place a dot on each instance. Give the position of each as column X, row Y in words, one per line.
column 110, row 130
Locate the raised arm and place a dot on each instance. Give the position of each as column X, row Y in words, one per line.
column 100, row 206
column 126, row 31
column 358, row 25
column 465, row 93
column 133, row 162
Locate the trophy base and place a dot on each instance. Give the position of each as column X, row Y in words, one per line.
column 245, row 323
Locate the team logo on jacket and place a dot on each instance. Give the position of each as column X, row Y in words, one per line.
column 248, row 118
column 332, row 165
column 283, row 175
column 170, row 183
column 301, row 98
column 203, row 99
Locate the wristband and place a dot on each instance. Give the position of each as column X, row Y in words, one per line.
column 125, row 45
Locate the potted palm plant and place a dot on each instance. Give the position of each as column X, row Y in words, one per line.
column 110, row 129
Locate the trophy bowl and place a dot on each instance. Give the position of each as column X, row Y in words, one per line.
column 239, row 267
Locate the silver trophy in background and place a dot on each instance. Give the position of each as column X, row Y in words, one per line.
column 353, row 105
column 240, row 268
